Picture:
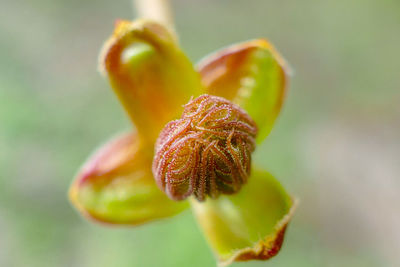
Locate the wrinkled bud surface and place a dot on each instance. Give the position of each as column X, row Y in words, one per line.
column 207, row 151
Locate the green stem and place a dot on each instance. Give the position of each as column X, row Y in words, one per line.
column 157, row 10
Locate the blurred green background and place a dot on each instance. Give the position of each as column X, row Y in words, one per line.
column 336, row 145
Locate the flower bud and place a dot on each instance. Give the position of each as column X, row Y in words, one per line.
column 207, row 152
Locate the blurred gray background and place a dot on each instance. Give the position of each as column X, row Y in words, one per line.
column 336, row 144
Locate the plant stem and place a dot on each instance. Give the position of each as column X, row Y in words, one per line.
column 157, row 10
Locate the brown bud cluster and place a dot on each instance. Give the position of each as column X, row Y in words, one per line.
column 207, row 152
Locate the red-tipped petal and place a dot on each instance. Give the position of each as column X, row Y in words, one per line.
column 116, row 185
column 251, row 74
column 249, row 225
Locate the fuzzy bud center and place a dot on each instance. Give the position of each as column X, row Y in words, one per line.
column 207, row 152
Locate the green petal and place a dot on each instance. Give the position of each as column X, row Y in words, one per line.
column 116, row 186
column 249, row 225
column 150, row 74
column 251, row 74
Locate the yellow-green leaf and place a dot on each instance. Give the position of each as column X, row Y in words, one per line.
column 150, row 74
column 248, row 225
column 251, row 74
column 116, row 185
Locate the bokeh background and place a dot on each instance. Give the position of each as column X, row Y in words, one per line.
column 336, row 145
